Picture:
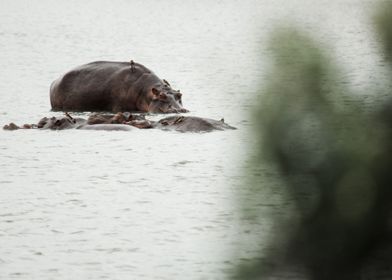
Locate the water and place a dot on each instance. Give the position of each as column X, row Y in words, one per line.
column 146, row 204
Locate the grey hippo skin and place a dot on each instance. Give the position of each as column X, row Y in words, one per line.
column 68, row 122
column 125, row 122
column 114, row 87
column 114, row 122
column 192, row 124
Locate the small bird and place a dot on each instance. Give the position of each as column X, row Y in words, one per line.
column 69, row 117
column 166, row 82
column 132, row 66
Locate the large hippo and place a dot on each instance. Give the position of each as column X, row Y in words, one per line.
column 114, row 87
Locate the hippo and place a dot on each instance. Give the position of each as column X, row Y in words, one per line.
column 68, row 122
column 178, row 123
column 119, row 121
column 114, row 87
column 192, row 124
column 55, row 123
column 52, row 123
column 118, row 118
column 125, row 122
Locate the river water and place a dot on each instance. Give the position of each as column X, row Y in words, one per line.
column 146, row 204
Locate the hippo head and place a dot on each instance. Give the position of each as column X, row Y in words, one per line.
column 166, row 100
column 56, row 123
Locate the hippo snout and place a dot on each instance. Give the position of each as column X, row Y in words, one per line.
column 166, row 106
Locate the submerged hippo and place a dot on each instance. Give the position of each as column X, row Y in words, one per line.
column 177, row 123
column 59, row 123
column 105, row 122
column 114, row 87
column 126, row 121
column 68, row 122
column 192, row 124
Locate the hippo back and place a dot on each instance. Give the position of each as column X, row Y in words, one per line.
column 192, row 124
column 102, row 86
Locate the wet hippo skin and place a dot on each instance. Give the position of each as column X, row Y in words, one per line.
column 125, row 122
column 114, row 87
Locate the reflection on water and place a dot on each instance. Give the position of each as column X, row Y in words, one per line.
column 147, row 204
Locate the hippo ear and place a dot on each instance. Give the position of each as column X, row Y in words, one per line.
column 155, row 92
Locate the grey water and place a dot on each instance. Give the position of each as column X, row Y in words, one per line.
column 147, row 204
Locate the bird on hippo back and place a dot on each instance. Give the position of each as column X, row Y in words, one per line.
column 114, row 87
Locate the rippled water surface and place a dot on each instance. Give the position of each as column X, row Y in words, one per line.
column 145, row 204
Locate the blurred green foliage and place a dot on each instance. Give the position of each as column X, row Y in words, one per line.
column 383, row 20
column 334, row 161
